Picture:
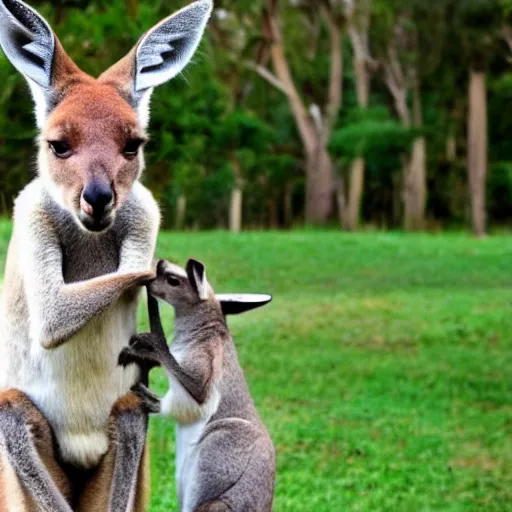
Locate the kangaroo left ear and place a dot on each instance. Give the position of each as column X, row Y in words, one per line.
column 160, row 55
column 197, row 276
column 236, row 303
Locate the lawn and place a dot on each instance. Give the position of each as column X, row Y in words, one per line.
column 382, row 368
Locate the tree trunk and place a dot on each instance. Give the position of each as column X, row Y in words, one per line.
column 319, row 187
column 319, row 179
column 340, row 199
column 181, row 207
column 355, row 194
column 132, row 9
column 477, row 149
column 415, row 177
column 357, row 167
column 414, row 188
column 288, row 205
column 235, row 210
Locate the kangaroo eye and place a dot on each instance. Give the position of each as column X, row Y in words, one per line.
column 60, row 149
column 173, row 281
column 131, row 148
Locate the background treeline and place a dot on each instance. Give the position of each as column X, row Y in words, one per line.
column 384, row 112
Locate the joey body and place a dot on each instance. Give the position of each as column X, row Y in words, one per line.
column 225, row 459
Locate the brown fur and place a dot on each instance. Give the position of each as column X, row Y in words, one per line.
column 96, row 123
column 12, row 495
column 96, row 493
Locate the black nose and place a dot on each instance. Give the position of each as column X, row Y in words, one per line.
column 98, row 195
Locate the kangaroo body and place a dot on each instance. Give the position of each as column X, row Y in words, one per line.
column 227, row 454
column 225, row 459
column 83, row 241
column 76, row 384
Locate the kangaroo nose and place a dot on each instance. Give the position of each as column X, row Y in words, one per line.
column 98, row 197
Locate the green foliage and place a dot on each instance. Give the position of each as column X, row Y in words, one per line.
column 370, row 133
column 220, row 121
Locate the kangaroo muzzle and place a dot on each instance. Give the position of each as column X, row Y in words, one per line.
column 97, row 206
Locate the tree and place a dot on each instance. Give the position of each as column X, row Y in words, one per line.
column 314, row 124
column 480, row 23
column 357, row 16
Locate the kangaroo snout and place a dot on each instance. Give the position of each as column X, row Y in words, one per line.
column 97, row 205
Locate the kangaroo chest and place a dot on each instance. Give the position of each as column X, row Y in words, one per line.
column 85, row 256
column 76, row 384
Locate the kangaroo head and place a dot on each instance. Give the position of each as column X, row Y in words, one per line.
column 185, row 287
column 92, row 130
column 179, row 287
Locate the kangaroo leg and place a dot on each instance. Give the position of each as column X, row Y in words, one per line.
column 30, row 477
column 120, row 483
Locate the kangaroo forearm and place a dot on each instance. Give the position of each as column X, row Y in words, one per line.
column 74, row 305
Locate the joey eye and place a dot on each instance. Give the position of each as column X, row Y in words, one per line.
column 60, row 148
column 131, row 148
column 173, row 281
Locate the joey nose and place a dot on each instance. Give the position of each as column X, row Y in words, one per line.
column 98, row 198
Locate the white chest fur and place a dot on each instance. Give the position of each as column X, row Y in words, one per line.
column 76, row 384
column 192, row 419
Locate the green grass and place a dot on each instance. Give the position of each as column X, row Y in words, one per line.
column 382, row 368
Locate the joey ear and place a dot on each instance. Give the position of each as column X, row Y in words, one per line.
column 161, row 54
column 30, row 44
column 234, row 304
column 197, row 276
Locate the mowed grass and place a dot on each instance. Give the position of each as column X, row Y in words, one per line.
column 382, row 368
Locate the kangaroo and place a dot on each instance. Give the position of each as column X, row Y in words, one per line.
column 83, row 241
column 225, row 459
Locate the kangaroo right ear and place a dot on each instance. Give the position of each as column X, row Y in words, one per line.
column 33, row 49
column 197, row 276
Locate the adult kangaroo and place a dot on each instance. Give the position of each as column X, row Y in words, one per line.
column 83, row 241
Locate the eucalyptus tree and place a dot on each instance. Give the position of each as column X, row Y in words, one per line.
column 315, row 121
column 407, row 41
column 481, row 25
column 358, row 16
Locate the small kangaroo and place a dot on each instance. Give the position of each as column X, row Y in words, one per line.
column 225, row 459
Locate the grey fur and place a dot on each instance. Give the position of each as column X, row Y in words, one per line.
column 131, row 431
column 235, row 457
column 27, row 40
column 167, row 48
column 17, row 445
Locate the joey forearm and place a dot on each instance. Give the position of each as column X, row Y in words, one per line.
column 197, row 387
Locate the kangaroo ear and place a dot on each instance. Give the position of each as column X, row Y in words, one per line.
column 161, row 54
column 33, row 49
column 27, row 40
column 234, row 304
column 197, row 276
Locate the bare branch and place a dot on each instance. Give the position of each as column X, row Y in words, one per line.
column 335, row 95
column 268, row 76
